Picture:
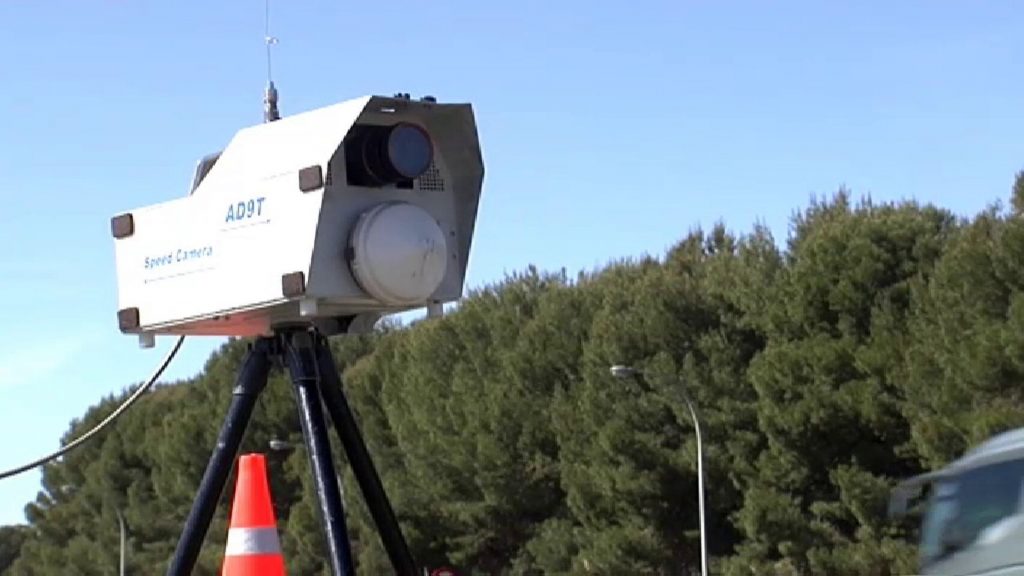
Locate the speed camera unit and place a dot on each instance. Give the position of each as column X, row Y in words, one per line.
column 331, row 217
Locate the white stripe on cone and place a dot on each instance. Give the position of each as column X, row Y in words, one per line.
column 252, row 541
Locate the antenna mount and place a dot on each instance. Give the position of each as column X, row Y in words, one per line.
column 270, row 111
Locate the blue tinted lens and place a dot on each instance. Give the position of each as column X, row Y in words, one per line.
column 409, row 150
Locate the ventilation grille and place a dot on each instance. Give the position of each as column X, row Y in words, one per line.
column 431, row 180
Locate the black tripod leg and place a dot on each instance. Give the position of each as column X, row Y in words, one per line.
column 301, row 359
column 362, row 464
column 252, row 378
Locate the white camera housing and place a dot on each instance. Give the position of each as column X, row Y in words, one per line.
column 327, row 217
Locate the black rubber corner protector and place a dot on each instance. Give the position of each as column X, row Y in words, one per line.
column 122, row 226
column 311, row 178
column 293, row 284
column 128, row 319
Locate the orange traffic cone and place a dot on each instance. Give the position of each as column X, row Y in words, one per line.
column 253, row 548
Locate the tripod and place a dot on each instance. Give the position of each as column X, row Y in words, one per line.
column 314, row 375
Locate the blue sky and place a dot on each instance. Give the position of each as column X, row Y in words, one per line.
column 609, row 129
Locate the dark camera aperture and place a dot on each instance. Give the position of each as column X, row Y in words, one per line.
column 382, row 155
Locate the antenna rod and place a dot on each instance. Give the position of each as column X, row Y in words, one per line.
column 270, row 112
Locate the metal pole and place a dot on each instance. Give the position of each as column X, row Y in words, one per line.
column 124, row 540
column 302, row 364
column 278, row 445
column 252, row 378
column 362, row 464
column 620, row 371
column 700, row 485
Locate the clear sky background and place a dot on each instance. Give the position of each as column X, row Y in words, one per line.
column 609, row 129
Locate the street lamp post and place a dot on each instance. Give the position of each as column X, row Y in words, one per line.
column 283, row 446
column 124, row 539
column 624, row 372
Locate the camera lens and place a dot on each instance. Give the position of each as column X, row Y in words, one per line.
column 409, row 150
column 381, row 155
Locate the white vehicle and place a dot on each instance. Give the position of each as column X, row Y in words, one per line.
column 974, row 518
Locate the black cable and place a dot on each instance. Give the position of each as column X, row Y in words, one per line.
column 113, row 416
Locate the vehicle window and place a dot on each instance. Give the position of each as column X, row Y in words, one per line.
column 941, row 510
column 966, row 504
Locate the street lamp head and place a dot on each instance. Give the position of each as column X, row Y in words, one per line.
column 622, row 371
column 280, row 445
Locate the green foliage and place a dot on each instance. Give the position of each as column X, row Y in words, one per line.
column 882, row 341
column 11, row 540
